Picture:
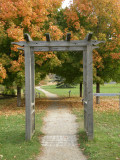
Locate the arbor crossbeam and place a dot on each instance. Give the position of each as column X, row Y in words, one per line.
column 80, row 43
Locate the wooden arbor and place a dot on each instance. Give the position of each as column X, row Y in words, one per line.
column 87, row 45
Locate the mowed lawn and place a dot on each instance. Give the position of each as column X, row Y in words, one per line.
column 106, row 88
column 106, row 143
column 12, row 132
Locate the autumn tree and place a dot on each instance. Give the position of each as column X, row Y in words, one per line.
column 102, row 18
column 18, row 17
column 2, row 68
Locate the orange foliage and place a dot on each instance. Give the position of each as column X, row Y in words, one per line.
column 115, row 56
column 83, row 6
column 15, row 32
column 17, row 65
column 27, row 13
column 97, row 59
column 55, row 32
column 8, row 10
column 44, row 56
column 2, row 73
column 101, row 16
column 72, row 17
column 28, row 16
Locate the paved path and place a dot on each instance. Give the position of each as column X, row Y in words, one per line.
column 60, row 128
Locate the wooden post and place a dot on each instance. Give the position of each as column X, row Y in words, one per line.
column 69, row 93
column 47, row 37
column 85, row 87
column 68, row 37
column 28, row 91
column 89, row 74
column 88, row 88
column 33, row 88
column 29, row 88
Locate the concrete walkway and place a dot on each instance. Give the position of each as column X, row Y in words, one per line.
column 60, row 128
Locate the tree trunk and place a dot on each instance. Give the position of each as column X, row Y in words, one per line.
column 18, row 96
column 97, row 91
column 80, row 89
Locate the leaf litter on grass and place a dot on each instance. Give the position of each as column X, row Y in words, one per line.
column 10, row 107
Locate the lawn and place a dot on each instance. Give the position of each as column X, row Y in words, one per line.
column 106, row 88
column 12, row 132
column 61, row 91
column 106, row 143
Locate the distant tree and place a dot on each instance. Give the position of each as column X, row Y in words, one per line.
column 70, row 67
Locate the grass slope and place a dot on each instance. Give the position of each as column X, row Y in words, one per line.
column 106, row 143
column 12, row 138
column 106, row 88
column 12, row 131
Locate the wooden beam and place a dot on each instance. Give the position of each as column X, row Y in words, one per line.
column 79, row 43
column 27, row 37
column 46, row 49
column 43, row 49
column 95, row 42
column 21, row 43
column 89, row 36
column 22, row 49
column 94, row 47
column 106, row 94
column 47, row 37
column 68, row 37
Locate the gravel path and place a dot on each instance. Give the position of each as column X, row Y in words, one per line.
column 48, row 94
column 60, row 128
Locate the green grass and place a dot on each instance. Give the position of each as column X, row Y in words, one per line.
column 61, row 91
column 12, row 138
column 106, row 88
column 106, row 143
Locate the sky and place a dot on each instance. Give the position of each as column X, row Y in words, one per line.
column 65, row 3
